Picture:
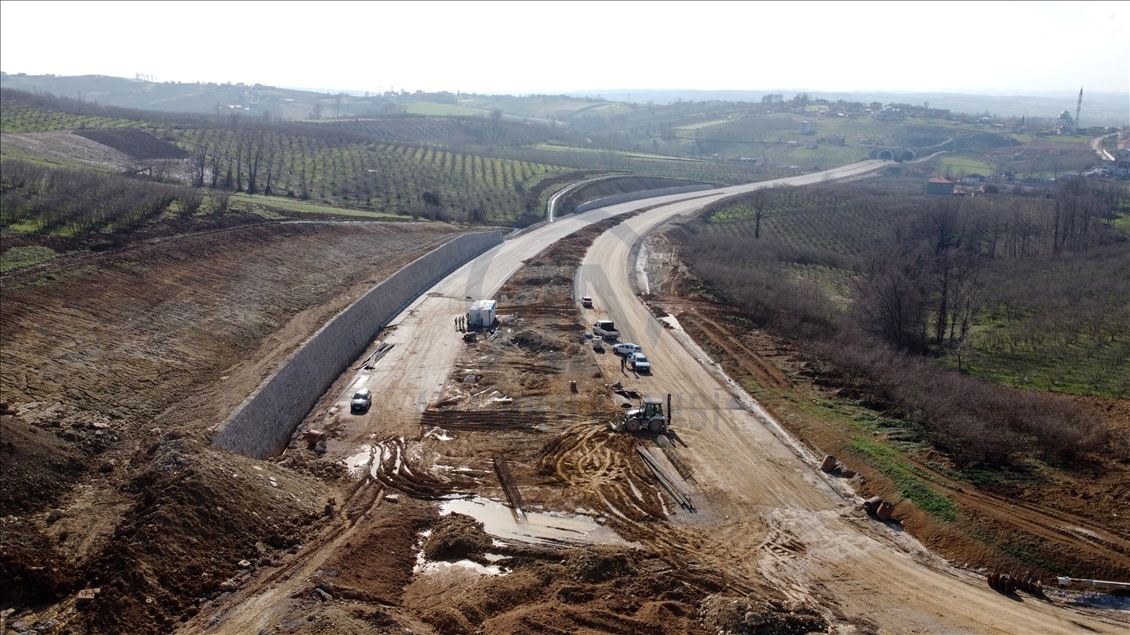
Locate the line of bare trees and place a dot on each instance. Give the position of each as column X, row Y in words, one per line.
column 79, row 202
column 919, row 291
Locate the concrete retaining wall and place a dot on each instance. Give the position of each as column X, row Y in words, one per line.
column 262, row 425
column 635, row 196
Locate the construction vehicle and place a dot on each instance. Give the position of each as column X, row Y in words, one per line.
column 649, row 416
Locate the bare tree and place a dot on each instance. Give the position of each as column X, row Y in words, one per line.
column 758, row 202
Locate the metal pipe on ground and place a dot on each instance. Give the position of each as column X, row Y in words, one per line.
column 1117, row 586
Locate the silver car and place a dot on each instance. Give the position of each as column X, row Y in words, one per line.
column 361, row 401
column 639, row 363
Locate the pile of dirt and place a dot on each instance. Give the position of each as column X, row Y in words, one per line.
column 729, row 615
column 377, row 565
column 590, row 589
column 32, row 569
column 535, row 342
column 203, row 523
column 38, row 467
column 457, row 537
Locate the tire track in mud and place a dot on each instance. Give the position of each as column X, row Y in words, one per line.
column 400, row 464
column 604, row 467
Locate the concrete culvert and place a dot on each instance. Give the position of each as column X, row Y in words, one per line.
column 872, row 504
column 885, row 155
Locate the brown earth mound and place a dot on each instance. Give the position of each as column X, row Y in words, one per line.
column 457, row 537
column 203, row 522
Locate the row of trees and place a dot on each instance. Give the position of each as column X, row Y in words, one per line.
column 1053, row 270
column 80, row 202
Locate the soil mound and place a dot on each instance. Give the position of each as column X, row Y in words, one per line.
column 535, row 342
column 457, row 537
column 598, row 564
column 378, row 564
column 38, row 467
column 202, row 524
column 745, row 616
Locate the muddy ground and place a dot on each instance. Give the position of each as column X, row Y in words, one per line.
column 1035, row 518
column 114, row 370
column 584, row 546
column 118, row 517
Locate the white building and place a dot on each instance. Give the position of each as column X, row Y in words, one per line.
column 482, row 314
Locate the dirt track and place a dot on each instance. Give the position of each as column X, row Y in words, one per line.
column 817, row 543
column 769, row 526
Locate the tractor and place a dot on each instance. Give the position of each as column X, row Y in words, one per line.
column 649, row 416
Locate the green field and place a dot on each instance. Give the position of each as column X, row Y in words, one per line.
column 435, row 109
column 957, row 165
column 556, row 147
column 264, row 205
column 15, row 117
column 703, row 124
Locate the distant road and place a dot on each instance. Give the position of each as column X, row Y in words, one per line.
column 1097, row 146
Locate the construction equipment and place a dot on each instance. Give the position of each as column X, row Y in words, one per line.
column 649, row 416
column 1008, row 584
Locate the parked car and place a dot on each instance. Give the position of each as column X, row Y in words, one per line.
column 607, row 329
column 639, row 363
column 627, row 348
column 586, row 302
column 362, row 399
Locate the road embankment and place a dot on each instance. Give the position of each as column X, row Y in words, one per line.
column 261, row 426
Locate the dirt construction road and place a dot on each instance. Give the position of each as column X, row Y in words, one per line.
column 812, row 538
column 425, row 342
column 766, row 512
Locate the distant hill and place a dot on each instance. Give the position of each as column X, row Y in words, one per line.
column 255, row 99
column 1099, row 109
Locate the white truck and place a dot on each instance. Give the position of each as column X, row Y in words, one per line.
column 606, row 329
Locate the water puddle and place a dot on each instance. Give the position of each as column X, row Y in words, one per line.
column 537, row 528
column 423, row 565
column 357, row 463
column 438, row 434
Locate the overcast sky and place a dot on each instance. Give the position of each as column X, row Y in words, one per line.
column 536, row 47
